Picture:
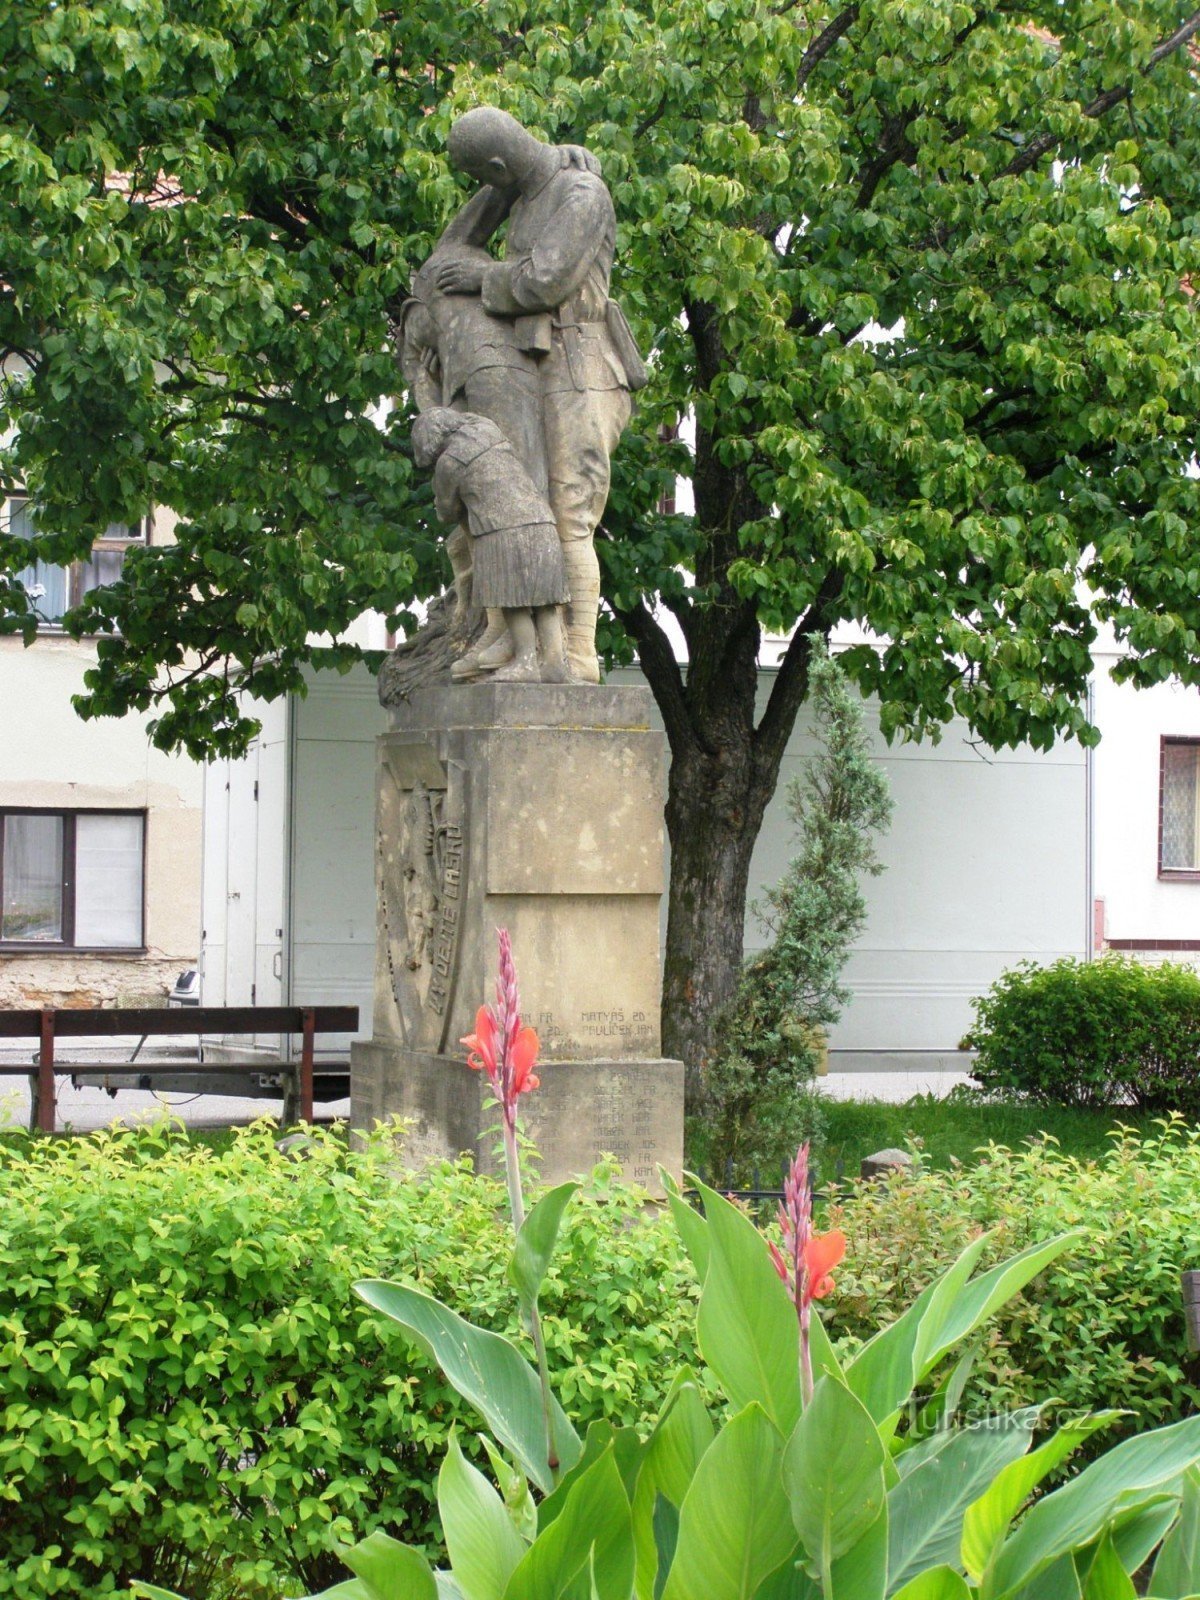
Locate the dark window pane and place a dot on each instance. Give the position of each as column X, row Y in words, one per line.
column 33, row 878
column 1181, row 770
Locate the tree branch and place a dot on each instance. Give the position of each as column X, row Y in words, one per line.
column 657, row 660
column 791, row 681
column 823, row 44
column 1103, row 103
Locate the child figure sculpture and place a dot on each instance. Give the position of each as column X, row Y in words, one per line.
column 516, row 556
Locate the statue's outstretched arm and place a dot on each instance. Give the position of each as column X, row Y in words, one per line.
column 476, row 221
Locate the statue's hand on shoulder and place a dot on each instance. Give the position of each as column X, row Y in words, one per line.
column 458, row 276
column 577, row 156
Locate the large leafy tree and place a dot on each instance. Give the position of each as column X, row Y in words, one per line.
column 918, row 269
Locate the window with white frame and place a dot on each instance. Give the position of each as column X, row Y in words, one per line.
column 72, row 879
column 1179, row 808
column 53, row 590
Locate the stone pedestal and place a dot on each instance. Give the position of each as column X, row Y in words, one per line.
column 538, row 808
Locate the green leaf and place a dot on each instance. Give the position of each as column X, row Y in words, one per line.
column 483, row 1544
column 833, row 1470
column 989, row 1518
column 1177, row 1569
column 1107, row 1578
column 927, row 1507
column 487, row 1371
column 693, row 1229
column 884, row 1371
column 665, row 1522
column 589, row 1542
column 389, row 1570
column 862, row 1573
column 680, row 1438
column 1071, row 1517
column 535, row 1244
column 746, row 1325
column 936, row 1583
column 734, row 1528
column 887, row 1368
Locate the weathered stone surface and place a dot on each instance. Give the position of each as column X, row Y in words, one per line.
column 533, row 346
column 884, row 1162
column 584, row 1110
column 537, row 808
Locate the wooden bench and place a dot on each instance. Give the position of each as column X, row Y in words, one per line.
column 54, row 1023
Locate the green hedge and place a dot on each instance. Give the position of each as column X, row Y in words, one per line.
column 1112, row 1032
column 189, row 1392
column 1104, row 1325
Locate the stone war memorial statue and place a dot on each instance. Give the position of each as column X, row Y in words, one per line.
column 514, row 789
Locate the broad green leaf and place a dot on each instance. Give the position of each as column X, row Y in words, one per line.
column 483, row 1544
column 535, row 1244
column 927, row 1507
column 746, row 1326
column 734, row 1528
column 936, row 1583
column 944, row 1326
column 833, row 1470
column 789, row 1581
column 489, row 1372
column 665, row 1524
column 1137, row 1534
column 589, row 1543
column 628, row 1449
column 514, row 1490
column 673, row 1451
column 1107, row 1578
column 862, row 1573
column 989, row 1518
column 389, row 1570
column 1074, row 1515
column 1177, row 1569
column 693, row 1229
column 883, row 1372
column 151, row 1592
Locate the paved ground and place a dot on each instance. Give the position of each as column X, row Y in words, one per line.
column 86, row 1109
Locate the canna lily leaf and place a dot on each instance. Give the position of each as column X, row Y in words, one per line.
column 484, row 1545
column 535, row 1245
column 489, row 1372
column 591, row 1533
column 1107, row 1578
column 833, row 1470
column 1177, row 1569
column 388, row 1570
column 734, row 1529
column 1130, row 1475
column 927, row 1507
column 935, row 1583
column 990, row 1517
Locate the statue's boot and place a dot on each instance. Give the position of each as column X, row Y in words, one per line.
column 495, row 649
column 583, row 580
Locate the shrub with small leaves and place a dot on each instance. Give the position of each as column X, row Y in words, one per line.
column 191, row 1395
column 1104, row 1325
column 1100, row 1033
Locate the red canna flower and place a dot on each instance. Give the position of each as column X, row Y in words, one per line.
column 807, row 1259
column 500, row 1046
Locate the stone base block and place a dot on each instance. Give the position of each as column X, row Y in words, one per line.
column 583, row 1110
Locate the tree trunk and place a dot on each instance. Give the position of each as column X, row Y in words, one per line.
column 715, row 806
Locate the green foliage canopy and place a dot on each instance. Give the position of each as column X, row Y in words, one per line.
column 209, row 214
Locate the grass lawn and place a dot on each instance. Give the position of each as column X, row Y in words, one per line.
column 953, row 1130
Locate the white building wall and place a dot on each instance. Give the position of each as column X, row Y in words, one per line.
column 986, row 864
column 1138, row 910
column 51, row 759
